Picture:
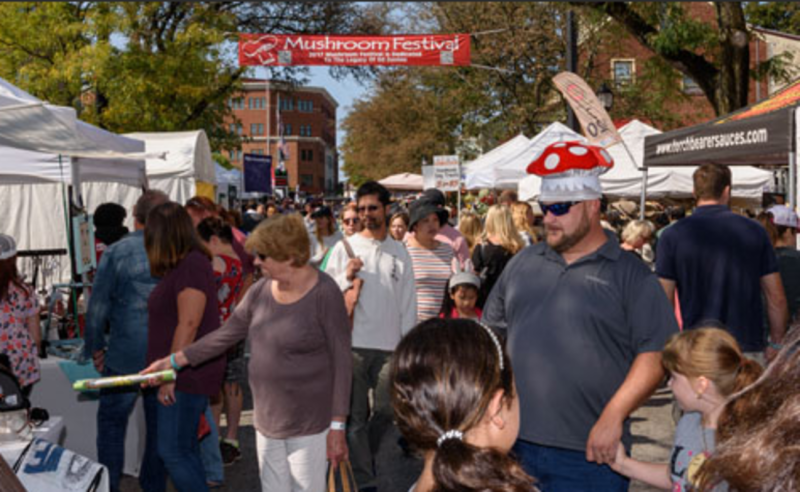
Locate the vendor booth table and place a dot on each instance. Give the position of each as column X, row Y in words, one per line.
column 78, row 410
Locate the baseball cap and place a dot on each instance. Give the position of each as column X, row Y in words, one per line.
column 462, row 278
column 8, row 247
column 783, row 216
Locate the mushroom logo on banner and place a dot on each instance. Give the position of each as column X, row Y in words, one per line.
column 570, row 171
column 596, row 124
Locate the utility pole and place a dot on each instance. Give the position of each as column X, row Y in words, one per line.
column 572, row 63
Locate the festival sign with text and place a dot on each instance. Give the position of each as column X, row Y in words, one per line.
column 411, row 50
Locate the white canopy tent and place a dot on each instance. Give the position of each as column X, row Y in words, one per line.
column 44, row 148
column 403, row 182
column 625, row 178
column 480, row 173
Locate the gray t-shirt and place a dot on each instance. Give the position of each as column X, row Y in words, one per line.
column 693, row 445
column 573, row 332
column 301, row 364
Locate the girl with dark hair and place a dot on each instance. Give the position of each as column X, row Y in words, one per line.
column 706, row 367
column 461, row 296
column 217, row 236
column 181, row 309
column 20, row 334
column 455, row 402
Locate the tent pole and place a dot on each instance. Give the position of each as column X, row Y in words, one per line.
column 643, row 198
column 793, row 160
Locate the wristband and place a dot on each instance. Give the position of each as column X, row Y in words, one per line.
column 775, row 346
column 174, row 363
column 338, row 426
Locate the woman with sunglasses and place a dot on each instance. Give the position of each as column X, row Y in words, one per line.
column 500, row 242
column 351, row 222
column 300, row 366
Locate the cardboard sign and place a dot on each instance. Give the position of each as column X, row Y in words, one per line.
column 302, row 49
column 447, row 172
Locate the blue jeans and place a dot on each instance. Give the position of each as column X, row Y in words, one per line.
column 565, row 470
column 176, row 436
column 115, row 407
column 210, row 453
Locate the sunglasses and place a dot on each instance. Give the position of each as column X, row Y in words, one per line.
column 368, row 208
column 557, row 209
column 351, row 221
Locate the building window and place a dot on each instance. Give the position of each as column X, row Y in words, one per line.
column 232, row 154
column 305, row 106
column 253, row 128
column 287, row 104
column 305, row 130
column 306, row 155
column 258, row 151
column 233, row 127
column 236, row 103
column 307, row 179
column 240, row 130
column 690, row 86
column 287, row 128
column 623, row 72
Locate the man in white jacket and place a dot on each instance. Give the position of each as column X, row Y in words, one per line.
column 386, row 310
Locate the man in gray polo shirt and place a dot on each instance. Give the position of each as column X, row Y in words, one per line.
column 585, row 322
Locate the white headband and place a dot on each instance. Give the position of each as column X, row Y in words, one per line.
column 496, row 344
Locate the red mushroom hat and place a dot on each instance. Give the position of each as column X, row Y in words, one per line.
column 570, row 171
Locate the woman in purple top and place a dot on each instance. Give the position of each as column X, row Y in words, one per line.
column 181, row 309
column 301, row 362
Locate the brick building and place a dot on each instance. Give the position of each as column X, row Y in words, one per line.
column 308, row 115
column 621, row 61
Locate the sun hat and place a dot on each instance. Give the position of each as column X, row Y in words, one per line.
column 8, row 247
column 570, row 171
column 420, row 209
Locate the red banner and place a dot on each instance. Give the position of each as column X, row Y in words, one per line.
column 418, row 50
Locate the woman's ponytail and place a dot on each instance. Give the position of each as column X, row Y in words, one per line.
column 459, row 466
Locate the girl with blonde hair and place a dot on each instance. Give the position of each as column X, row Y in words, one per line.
column 499, row 242
column 706, row 367
column 522, row 216
column 470, row 226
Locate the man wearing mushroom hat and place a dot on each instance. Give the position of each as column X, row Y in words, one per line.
column 585, row 324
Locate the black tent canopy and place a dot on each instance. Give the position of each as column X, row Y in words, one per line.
column 762, row 133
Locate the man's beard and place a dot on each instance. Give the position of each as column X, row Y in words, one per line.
column 374, row 223
column 568, row 241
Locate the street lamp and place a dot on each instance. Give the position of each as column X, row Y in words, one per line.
column 605, row 96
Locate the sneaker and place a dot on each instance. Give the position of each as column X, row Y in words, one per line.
column 230, row 453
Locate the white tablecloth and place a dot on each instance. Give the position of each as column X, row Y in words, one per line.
column 52, row 430
column 54, row 393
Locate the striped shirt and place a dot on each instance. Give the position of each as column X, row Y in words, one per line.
column 432, row 270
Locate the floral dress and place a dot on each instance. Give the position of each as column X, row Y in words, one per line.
column 229, row 283
column 15, row 339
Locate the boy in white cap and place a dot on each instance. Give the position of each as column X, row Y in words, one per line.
column 585, row 326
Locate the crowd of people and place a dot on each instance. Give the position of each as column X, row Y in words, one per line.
column 510, row 351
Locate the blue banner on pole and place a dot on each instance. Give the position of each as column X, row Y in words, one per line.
column 257, row 173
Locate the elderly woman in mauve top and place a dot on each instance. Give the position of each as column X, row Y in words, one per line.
column 301, row 366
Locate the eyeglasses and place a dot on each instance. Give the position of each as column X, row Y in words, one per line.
column 367, row 208
column 351, row 221
column 557, row 209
